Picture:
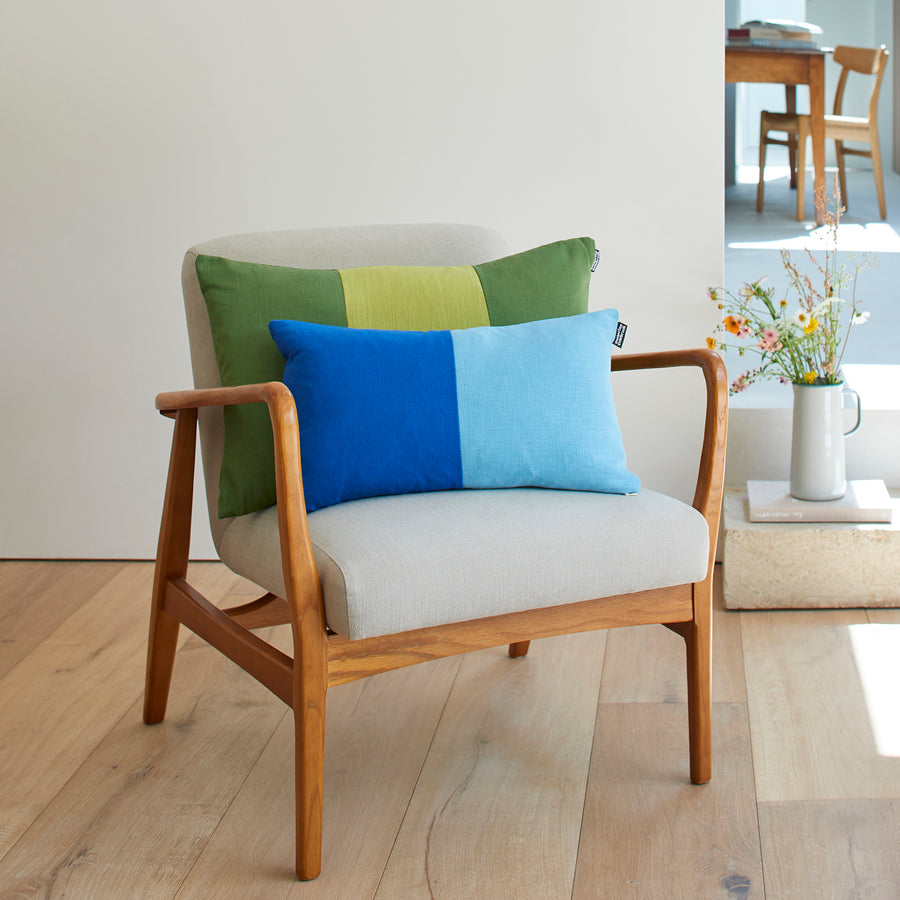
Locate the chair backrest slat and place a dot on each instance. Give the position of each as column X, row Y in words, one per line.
column 866, row 61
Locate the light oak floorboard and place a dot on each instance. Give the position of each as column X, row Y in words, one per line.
column 36, row 597
column 377, row 734
column 661, row 676
column 841, row 849
column 813, row 737
column 497, row 810
column 132, row 819
column 60, row 701
column 648, row 832
column 455, row 779
column 886, row 616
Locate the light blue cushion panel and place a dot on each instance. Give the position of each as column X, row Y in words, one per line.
column 390, row 564
column 536, row 406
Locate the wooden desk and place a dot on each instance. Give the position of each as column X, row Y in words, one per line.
column 790, row 68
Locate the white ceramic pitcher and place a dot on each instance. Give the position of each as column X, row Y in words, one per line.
column 818, row 462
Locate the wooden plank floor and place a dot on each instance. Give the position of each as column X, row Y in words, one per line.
column 561, row 775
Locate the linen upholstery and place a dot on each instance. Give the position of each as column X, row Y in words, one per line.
column 337, row 247
column 392, row 564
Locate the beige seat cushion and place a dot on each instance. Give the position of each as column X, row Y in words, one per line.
column 391, row 564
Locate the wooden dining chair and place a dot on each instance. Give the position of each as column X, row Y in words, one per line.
column 427, row 569
column 838, row 127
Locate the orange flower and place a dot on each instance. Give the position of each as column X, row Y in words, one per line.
column 710, row 342
column 733, row 324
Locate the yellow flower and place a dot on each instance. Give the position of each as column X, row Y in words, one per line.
column 710, row 342
column 810, row 377
column 811, row 326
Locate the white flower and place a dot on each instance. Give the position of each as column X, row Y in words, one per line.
column 820, row 309
column 859, row 318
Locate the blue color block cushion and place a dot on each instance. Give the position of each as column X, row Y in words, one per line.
column 395, row 412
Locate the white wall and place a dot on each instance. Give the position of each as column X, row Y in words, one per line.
column 130, row 131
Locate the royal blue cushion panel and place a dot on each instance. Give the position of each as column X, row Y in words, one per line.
column 392, row 412
column 377, row 410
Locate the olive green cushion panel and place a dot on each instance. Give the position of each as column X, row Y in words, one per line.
column 241, row 299
column 414, row 298
column 547, row 282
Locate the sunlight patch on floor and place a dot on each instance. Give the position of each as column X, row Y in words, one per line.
column 873, row 237
column 750, row 174
column 877, row 652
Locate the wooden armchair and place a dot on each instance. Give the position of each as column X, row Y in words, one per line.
column 578, row 560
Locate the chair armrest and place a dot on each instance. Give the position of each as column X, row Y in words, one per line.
column 300, row 574
column 269, row 392
column 711, row 475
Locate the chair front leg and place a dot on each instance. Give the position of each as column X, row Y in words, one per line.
column 171, row 562
column 310, row 686
column 698, row 642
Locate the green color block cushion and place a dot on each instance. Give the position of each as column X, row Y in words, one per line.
column 242, row 298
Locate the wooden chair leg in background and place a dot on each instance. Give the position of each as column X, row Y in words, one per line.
column 790, row 107
column 519, row 649
column 802, row 135
column 879, row 176
column 171, row 562
column 760, row 186
column 842, row 172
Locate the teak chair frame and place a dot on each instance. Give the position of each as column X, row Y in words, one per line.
column 322, row 659
column 838, row 127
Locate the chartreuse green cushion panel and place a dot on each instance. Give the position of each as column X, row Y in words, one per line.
column 414, row 298
column 393, row 412
column 242, row 298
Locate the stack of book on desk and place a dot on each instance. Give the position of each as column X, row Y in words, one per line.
column 777, row 33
